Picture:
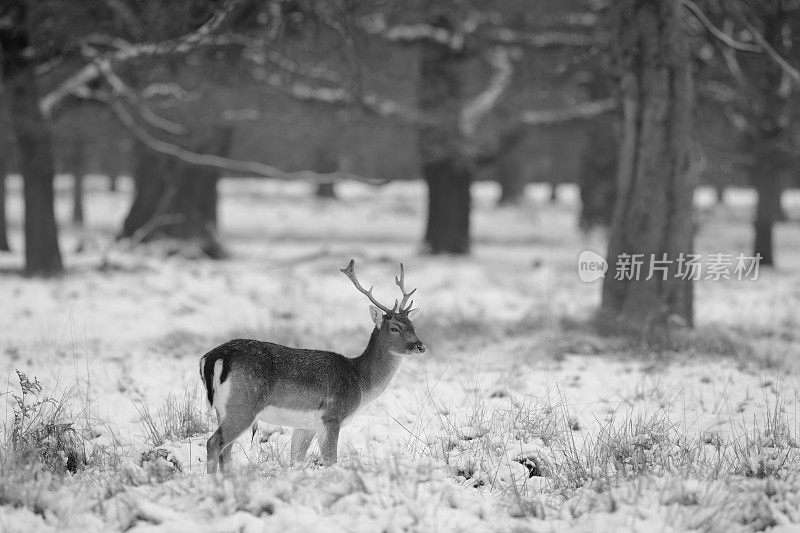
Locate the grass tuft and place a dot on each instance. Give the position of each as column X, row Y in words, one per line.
column 177, row 419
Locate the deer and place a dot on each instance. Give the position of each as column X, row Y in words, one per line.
column 315, row 392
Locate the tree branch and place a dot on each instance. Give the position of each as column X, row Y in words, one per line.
column 409, row 33
column 182, row 44
column 544, row 39
column 720, row 35
column 456, row 40
column 788, row 69
column 224, row 163
column 474, row 111
column 120, row 88
column 584, row 110
column 371, row 102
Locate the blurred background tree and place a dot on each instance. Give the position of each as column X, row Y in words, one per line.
column 583, row 91
column 747, row 79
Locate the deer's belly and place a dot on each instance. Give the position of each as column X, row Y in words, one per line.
column 295, row 418
column 283, row 416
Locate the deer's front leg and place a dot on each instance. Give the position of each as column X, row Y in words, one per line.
column 301, row 440
column 329, row 441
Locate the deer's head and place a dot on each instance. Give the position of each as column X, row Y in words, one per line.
column 394, row 325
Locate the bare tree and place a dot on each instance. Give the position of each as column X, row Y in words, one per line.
column 325, row 163
column 656, row 176
column 177, row 200
column 34, row 145
column 771, row 112
column 75, row 163
column 6, row 149
column 445, row 168
column 748, row 77
column 4, row 246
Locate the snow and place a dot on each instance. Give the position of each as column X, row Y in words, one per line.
column 452, row 442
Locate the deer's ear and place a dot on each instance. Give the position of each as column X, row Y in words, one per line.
column 413, row 313
column 376, row 315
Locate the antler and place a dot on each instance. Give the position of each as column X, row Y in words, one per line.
column 399, row 307
column 406, row 295
column 350, row 272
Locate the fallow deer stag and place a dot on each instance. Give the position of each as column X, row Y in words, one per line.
column 315, row 392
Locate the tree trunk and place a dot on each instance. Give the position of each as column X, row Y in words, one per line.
column 656, row 175
column 176, row 200
column 326, row 191
column 34, row 145
column 553, row 192
column 150, row 171
column 512, row 182
column 448, row 207
column 4, row 247
column 444, row 167
column 325, row 163
column 597, row 177
column 720, row 191
column 770, row 132
column 77, row 165
column 765, row 176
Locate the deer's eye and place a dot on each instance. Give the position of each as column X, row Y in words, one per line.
column 394, row 329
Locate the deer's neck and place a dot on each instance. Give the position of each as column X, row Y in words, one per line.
column 375, row 368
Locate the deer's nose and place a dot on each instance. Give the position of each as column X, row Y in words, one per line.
column 418, row 346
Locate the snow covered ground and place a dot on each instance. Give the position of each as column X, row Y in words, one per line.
column 521, row 417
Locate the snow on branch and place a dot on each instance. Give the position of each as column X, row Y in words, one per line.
column 337, row 95
column 171, row 90
column 584, row 110
column 71, row 86
column 225, row 163
column 474, row 111
column 376, row 25
column 123, row 52
column 260, row 55
column 120, row 88
column 542, row 39
column 480, row 28
column 576, row 18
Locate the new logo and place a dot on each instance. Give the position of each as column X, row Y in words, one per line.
column 591, row 266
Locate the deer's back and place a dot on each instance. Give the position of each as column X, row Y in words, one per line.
column 278, row 374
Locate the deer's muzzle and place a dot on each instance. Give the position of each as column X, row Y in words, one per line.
column 418, row 347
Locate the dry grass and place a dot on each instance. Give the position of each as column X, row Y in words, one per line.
column 177, row 419
column 42, row 433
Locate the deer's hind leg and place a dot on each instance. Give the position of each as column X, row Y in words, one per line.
column 237, row 419
column 218, row 447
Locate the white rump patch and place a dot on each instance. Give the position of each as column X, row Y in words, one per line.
column 222, row 391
